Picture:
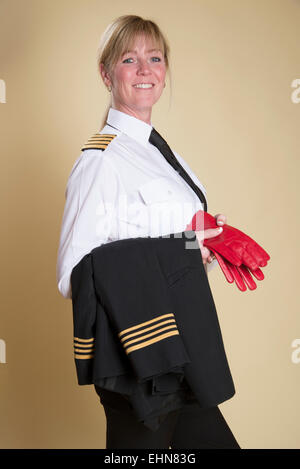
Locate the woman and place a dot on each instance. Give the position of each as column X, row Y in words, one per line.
column 112, row 191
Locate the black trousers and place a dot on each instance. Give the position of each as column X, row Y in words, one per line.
column 190, row 427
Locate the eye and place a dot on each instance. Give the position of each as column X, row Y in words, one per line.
column 125, row 61
column 157, row 59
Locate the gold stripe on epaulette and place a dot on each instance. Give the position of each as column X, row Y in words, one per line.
column 98, row 142
column 148, row 332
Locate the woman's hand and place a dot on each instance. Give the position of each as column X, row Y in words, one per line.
column 207, row 255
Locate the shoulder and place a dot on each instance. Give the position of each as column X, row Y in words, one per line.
column 94, row 151
column 92, row 161
column 99, row 141
column 105, row 145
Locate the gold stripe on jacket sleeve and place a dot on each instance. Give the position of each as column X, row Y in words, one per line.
column 142, row 324
column 149, row 342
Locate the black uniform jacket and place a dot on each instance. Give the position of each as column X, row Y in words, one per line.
column 146, row 326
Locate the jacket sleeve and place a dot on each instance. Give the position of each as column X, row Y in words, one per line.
column 84, row 319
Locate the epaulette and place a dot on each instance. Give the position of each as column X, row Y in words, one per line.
column 98, row 142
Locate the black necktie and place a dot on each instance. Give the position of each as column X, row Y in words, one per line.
column 157, row 140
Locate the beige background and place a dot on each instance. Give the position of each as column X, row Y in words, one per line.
column 233, row 120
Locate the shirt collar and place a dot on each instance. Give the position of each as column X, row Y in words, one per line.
column 131, row 126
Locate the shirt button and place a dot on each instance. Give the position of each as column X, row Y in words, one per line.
column 169, row 192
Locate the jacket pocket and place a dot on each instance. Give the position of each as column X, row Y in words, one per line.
column 176, row 276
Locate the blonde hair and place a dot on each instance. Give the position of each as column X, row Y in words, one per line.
column 118, row 38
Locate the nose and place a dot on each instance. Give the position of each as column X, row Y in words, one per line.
column 143, row 67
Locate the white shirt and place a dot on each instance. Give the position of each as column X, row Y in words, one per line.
column 127, row 190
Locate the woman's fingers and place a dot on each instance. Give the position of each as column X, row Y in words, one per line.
column 209, row 233
column 212, row 232
column 208, row 256
column 205, row 254
column 211, row 257
column 201, row 235
column 220, row 219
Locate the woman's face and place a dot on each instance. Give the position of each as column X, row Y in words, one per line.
column 143, row 65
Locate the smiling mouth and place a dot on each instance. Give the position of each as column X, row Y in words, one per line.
column 144, row 86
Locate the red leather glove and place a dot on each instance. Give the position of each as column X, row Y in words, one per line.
column 232, row 244
column 240, row 275
column 237, row 254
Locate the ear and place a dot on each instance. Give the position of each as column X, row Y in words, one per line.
column 105, row 76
